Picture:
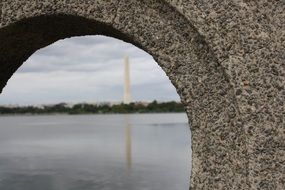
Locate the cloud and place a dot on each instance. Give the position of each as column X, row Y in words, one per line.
column 86, row 68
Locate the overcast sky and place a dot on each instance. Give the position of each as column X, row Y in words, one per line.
column 86, row 69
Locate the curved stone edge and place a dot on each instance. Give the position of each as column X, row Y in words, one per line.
column 248, row 38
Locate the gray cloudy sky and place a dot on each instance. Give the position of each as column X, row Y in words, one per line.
column 86, row 69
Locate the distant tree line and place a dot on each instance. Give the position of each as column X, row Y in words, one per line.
column 84, row 108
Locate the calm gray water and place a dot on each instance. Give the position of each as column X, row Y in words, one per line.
column 95, row 152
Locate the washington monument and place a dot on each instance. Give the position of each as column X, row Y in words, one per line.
column 127, row 85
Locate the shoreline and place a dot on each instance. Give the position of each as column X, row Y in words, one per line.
column 67, row 114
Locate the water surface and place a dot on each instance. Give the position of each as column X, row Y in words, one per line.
column 95, row 152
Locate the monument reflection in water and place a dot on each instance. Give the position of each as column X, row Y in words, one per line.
column 128, row 143
column 95, row 152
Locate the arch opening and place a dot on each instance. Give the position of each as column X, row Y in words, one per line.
column 155, row 156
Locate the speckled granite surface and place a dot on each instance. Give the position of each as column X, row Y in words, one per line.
column 226, row 59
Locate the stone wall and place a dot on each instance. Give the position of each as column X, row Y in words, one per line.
column 226, row 59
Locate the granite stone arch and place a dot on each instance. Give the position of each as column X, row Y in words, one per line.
column 226, row 61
